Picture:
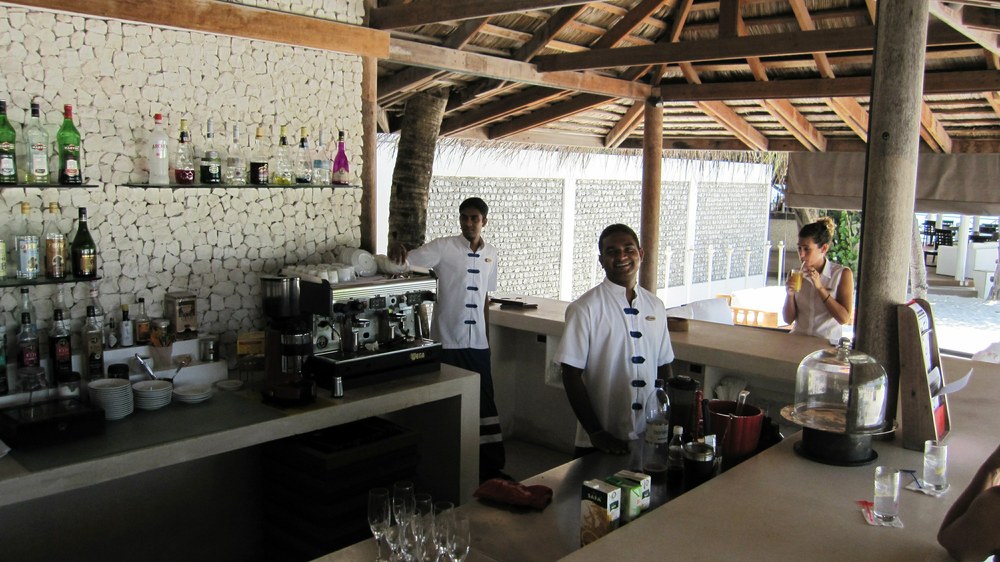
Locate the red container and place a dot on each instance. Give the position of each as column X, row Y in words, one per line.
column 741, row 441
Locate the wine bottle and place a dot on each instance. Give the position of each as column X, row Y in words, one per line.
column 236, row 164
column 60, row 348
column 341, row 167
column 143, row 324
column 259, row 174
column 321, row 162
column 93, row 341
column 26, row 246
column 55, row 245
column 159, row 153
column 68, row 142
column 303, row 164
column 36, row 139
column 283, row 173
column 126, row 338
column 8, row 149
column 84, row 250
column 184, row 157
column 211, row 162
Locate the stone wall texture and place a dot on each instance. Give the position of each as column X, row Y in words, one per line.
column 214, row 242
column 730, row 215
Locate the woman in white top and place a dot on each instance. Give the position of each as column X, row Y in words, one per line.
column 825, row 301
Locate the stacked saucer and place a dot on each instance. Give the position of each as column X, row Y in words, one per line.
column 152, row 395
column 193, row 393
column 113, row 395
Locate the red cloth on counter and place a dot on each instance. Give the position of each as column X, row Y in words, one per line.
column 513, row 493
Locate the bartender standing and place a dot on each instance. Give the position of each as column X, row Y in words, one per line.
column 466, row 267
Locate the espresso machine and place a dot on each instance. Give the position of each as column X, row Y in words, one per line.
column 288, row 343
column 370, row 330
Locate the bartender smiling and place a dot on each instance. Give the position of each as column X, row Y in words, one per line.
column 614, row 346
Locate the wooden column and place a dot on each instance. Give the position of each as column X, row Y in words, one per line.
column 652, row 163
column 369, row 151
column 890, row 182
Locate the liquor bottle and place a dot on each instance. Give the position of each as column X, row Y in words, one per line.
column 60, row 348
column 93, row 342
column 8, row 149
column 94, row 300
column 236, row 164
column 28, row 261
column 36, row 140
column 27, row 342
column 125, row 336
column 283, row 173
column 25, row 305
column 341, row 167
column 303, row 163
column 211, row 162
column 184, row 157
column 675, row 458
column 68, row 142
column 4, row 387
column 55, row 245
column 655, row 447
column 3, row 259
column 84, row 250
column 321, row 162
column 159, row 153
column 259, row 174
column 111, row 340
column 143, row 324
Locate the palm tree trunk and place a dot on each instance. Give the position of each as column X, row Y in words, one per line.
column 411, row 177
column 918, row 271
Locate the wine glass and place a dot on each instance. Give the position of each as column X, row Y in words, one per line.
column 402, row 501
column 423, row 524
column 379, row 516
column 443, row 518
column 460, row 537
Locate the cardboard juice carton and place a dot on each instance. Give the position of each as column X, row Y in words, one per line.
column 600, row 509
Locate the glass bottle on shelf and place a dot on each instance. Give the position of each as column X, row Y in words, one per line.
column 259, row 172
column 283, row 173
column 36, row 140
column 84, row 250
column 184, row 157
column 28, row 261
column 143, row 324
column 159, row 153
column 68, row 142
column 94, row 300
column 8, row 149
column 93, row 342
column 236, row 164
column 211, row 162
column 125, row 336
column 25, row 305
column 341, row 166
column 655, row 447
column 321, row 162
column 55, row 245
column 60, row 348
column 27, row 342
column 303, row 161
column 4, row 388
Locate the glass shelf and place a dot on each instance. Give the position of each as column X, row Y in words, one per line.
column 15, row 282
column 47, row 186
column 227, row 186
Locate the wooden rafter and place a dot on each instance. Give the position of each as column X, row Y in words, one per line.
column 498, row 110
column 983, row 19
column 422, row 12
column 953, row 17
column 725, row 116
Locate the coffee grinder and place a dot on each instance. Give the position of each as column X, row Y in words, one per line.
column 287, row 344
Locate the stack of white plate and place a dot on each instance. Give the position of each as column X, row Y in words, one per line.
column 113, row 395
column 193, row 393
column 152, row 395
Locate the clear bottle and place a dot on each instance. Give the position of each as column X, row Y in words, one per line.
column 84, row 250
column 143, row 324
column 126, row 338
column 321, row 162
column 93, row 344
column 28, row 260
column 36, row 140
column 283, row 172
column 159, row 153
column 25, row 305
column 55, row 245
column 27, row 342
column 60, row 348
column 341, row 166
column 675, row 457
column 94, row 300
column 236, row 164
column 303, row 160
column 184, row 157
column 259, row 170
column 70, row 150
column 8, row 148
column 655, row 448
column 211, row 161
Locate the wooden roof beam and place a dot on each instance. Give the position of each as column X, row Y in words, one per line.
column 983, row 19
column 627, row 24
column 422, row 12
column 953, row 17
column 725, row 116
column 498, row 110
column 539, row 117
column 625, row 125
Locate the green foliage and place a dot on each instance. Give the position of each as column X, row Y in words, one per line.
column 847, row 240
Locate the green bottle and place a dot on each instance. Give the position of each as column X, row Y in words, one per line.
column 8, row 144
column 68, row 140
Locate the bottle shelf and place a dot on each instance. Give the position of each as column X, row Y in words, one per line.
column 15, row 282
column 87, row 185
column 228, row 186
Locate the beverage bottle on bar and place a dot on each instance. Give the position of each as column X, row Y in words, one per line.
column 184, row 157
column 36, row 140
column 341, row 167
column 321, row 162
column 143, row 324
column 236, row 164
column 55, row 245
column 655, row 447
column 303, row 161
column 211, row 161
column 27, row 342
column 8, row 149
column 68, row 142
column 28, row 260
column 283, row 172
column 60, row 348
column 259, row 172
column 125, row 338
column 159, row 153
column 675, row 458
column 93, row 343
column 84, row 250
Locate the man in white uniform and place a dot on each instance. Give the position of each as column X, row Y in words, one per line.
column 614, row 347
column 466, row 267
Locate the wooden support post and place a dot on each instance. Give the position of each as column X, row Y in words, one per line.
column 652, row 163
column 369, row 151
column 890, row 182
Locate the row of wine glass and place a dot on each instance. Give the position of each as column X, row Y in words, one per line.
column 424, row 530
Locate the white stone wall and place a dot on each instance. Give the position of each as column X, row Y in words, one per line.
column 213, row 242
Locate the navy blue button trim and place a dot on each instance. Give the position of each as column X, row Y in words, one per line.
column 632, row 311
column 470, row 321
column 638, row 383
column 636, row 406
column 473, row 255
column 473, row 271
column 635, row 334
column 638, row 360
column 472, row 306
column 471, row 288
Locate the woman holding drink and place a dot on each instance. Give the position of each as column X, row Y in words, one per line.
column 819, row 297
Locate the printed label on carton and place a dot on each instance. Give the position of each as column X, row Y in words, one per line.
column 644, row 479
column 631, row 492
column 600, row 508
